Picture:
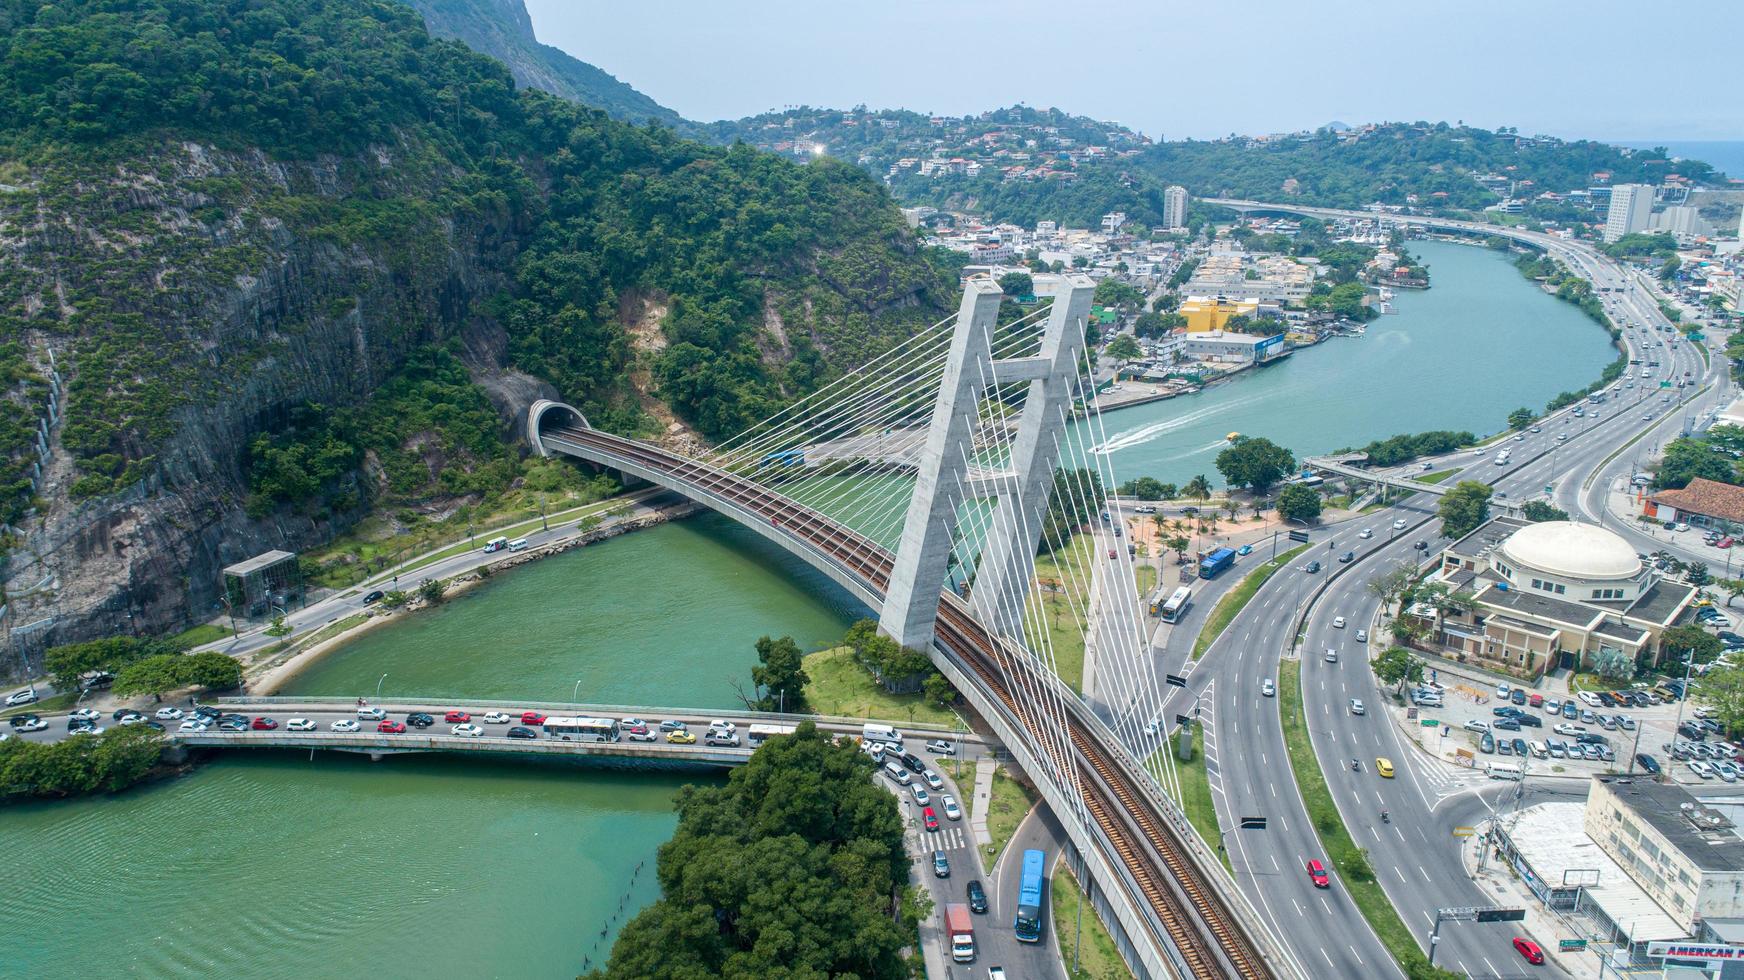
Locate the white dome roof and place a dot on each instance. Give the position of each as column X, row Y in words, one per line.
column 1572, row 550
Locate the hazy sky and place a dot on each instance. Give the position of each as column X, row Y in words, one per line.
column 1196, row 69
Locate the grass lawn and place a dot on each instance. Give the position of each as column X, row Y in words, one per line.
column 1011, row 802
column 54, row 702
column 1097, row 957
column 840, row 686
column 1195, row 790
column 1064, row 603
column 1349, row 861
column 200, row 635
column 1594, row 682
column 1237, row 599
column 1434, row 477
column 375, row 545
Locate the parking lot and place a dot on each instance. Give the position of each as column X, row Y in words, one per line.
column 1599, row 737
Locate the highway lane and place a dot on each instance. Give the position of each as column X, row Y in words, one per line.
column 1419, row 870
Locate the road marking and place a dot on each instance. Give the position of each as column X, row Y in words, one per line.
column 1298, row 908
column 1273, row 787
column 1401, row 875
column 1493, row 971
column 1353, row 952
column 1425, row 874
column 1328, row 958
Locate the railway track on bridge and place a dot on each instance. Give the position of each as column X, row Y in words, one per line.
column 1191, row 914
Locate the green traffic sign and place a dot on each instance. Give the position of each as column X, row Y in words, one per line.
column 1572, row 944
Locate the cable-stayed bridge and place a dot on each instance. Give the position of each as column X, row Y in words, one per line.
column 925, row 482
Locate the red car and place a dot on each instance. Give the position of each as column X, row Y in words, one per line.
column 388, row 726
column 532, row 718
column 1535, row 700
column 1317, row 873
column 264, row 724
column 930, row 819
column 1725, row 542
column 1528, row 949
column 456, row 717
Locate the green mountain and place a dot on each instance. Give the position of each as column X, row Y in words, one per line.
column 502, row 30
column 269, row 265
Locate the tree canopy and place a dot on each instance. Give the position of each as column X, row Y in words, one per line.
column 1255, row 463
column 794, row 868
column 1299, row 503
column 1464, row 507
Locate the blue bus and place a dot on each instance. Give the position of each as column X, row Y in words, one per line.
column 784, row 457
column 1215, row 562
column 1029, row 898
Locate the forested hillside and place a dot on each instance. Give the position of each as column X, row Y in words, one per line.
column 502, row 30
column 292, row 259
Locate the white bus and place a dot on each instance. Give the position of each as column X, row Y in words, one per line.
column 1502, row 770
column 495, row 545
column 1175, row 606
column 880, row 733
column 758, row 734
column 581, row 729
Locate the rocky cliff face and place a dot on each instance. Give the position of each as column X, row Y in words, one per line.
column 249, row 301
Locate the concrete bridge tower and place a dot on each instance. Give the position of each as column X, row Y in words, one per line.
column 1008, row 555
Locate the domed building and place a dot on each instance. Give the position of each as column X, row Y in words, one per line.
column 1551, row 594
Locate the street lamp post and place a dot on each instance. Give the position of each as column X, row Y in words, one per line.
column 575, row 693
column 378, row 686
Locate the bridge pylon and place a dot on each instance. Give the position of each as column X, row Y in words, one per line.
column 1008, row 555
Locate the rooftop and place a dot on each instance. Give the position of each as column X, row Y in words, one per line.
column 1709, row 498
column 1662, row 601
column 258, row 562
column 1668, row 808
column 1487, row 536
column 1566, row 548
column 1539, row 605
column 1541, row 835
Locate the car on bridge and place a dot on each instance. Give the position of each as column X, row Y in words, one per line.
column 264, row 724
column 497, row 718
column 388, row 726
column 420, row 719
column 345, row 725
column 299, row 725
column 639, row 734
column 680, row 737
column 193, row 726
column 467, row 730
column 370, row 713
column 457, row 717
column 532, row 718
column 520, row 731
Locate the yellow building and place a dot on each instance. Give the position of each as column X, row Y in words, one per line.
column 1208, row 313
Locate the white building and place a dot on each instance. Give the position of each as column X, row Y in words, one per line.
column 1683, row 222
column 1112, row 221
column 1175, row 207
column 1631, row 205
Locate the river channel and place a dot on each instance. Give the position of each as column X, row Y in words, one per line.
column 279, row 865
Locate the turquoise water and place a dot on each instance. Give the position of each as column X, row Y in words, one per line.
column 279, row 866
column 1460, row 355
column 666, row 616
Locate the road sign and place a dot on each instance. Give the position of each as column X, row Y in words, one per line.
column 1456, row 915
column 1429, row 723
column 1501, row 915
column 1464, row 831
column 1182, row 721
column 1567, row 945
column 1550, row 488
column 1175, row 680
column 1253, row 823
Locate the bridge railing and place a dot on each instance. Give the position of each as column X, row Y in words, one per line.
column 407, row 743
column 652, row 712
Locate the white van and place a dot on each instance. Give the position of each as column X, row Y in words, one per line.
column 1502, row 770
column 897, row 773
column 880, row 733
column 519, row 544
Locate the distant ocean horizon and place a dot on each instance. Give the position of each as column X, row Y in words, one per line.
column 1723, row 155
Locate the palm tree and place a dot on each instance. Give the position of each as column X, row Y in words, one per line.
column 1198, row 488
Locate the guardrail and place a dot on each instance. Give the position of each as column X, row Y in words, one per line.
column 583, row 710
column 375, row 743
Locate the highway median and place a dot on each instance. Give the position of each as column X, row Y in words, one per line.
column 1236, row 599
column 1350, row 861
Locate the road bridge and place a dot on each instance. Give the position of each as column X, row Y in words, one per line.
column 1176, row 911
column 1396, row 481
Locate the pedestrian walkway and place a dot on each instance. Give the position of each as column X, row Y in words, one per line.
column 983, row 801
column 1441, row 778
column 1504, row 887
